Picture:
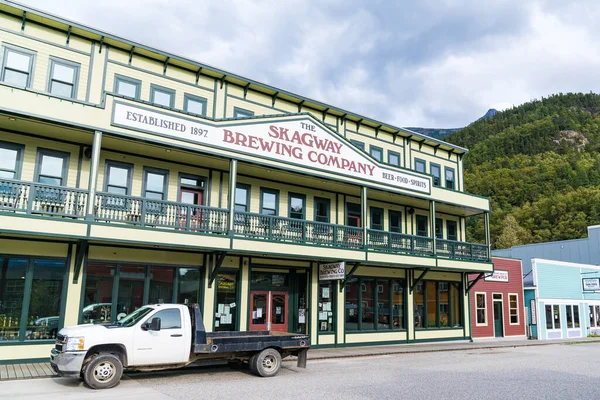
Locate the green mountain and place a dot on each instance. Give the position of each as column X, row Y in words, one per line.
column 441, row 133
column 540, row 165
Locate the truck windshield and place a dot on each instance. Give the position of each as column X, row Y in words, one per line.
column 134, row 317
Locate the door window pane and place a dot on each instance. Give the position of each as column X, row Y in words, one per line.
column 326, row 296
column 259, row 309
column 97, row 300
column 549, row 322
column 226, row 314
column 296, row 207
column 569, row 316
column 439, row 228
column 377, row 218
column 422, row 225
column 452, row 231
column 395, row 221
column 189, row 286
column 321, row 210
column 278, row 309
column 556, row 314
column 12, row 290
column 169, row 319
column 576, row 316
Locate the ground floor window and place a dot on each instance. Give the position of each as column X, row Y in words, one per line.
column 226, row 302
column 326, row 306
column 572, row 316
column 481, row 308
column 552, row 316
column 113, row 290
column 595, row 316
column 513, row 308
column 374, row 304
column 31, row 295
column 438, row 305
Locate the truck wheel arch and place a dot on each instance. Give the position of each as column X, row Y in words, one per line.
column 117, row 349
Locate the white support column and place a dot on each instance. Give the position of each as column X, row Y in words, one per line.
column 231, row 199
column 96, row 146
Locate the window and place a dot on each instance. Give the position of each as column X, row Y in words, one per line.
column 128, row 87
column 378, row 306
column 241, row 113
column 594, row 316
column 118, row 178
column 377, row 218
column 194, row 104
column 17, row 67
column 297, row 202
column 63, row 78
column 227, row 293
column 439, row 228
column 242, row 198
column 513, row 308
column 420, row 166
column 155, row 184
column 449, row 178
column 376, row 153
column 189, row 286
column 37, row 283
column 422, row 225
column 169, row 319
column 11, row 160
column 326, row 306
column 322, row 207
column 161, row 285
column 393, row 158
column 436, row 173
column 353, row 215
column 269, row 201
column 552, row 316
column 572, row 316
column 162, row 96
column 451, row 230
column 358, row 144
column 52, row 167
column 438, row 305
column 395, row 221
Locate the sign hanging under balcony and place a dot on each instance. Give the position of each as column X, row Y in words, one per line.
column 332, row 271
column 497, row 276
column 298, row 140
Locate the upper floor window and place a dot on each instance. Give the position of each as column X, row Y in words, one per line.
column 393, row 158
column 162, row 96
column 439, row 228
column 322, row 207
column 353, row 215
column 17, row 67
column 436, row 173
column 242, row 198
column 451, row 230
column 194, row 104
column 241, row 113
column 376, row 153
column 155, row 183
column 129, row 87
column 422, row 225
column 395, row 221
column 297, row 202
column 52, row 167
column 63, row 78
column 269, row 201
column 118, row 178
column 449, row 178
column 358, row 144
column 11, row 159
column 377, row 218
column 420, row 166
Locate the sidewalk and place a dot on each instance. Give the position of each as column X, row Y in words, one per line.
column 43, row 370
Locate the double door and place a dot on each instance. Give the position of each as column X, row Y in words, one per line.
column 269, row 311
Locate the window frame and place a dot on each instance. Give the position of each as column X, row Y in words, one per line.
column 421, row 161
column 399, row 213
column 157, row 88
column 275, row 192
column 118, row 164
column 67, row 63
column 439, row 167
column 441, row 231
column 425, row 323
column 446, row 169
column 484, row 308
column 393, row 153
column 31, row 53
column 510, row 309
column 157, row 171
column 20, row 149
column 376, row 148
column 52, row 153
column 160, row 310
column 328, row 203
column 417, row 217
column 242, row 113
column 136, row 82
column 357, row 143
column 247, row 188
column 449, row 223
column 373, row 210
column 187, row 97
column 299, row 196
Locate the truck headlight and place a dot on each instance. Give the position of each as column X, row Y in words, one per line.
column 75, row 343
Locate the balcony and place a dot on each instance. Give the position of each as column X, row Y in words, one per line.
column 59, row 202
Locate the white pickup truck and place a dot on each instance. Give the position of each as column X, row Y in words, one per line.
column 165, row 336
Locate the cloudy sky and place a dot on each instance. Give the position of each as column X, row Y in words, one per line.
column 429, row 63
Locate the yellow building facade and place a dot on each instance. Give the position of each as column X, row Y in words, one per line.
column 131, row 176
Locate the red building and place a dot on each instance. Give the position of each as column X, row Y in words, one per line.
column 497, row 308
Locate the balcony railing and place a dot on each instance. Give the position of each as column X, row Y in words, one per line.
column 271, row 227
column 394, row 242
column 145, row 212
column 462, row 250
column 37, row 198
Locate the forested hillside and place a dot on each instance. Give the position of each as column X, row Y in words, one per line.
column 540, row 164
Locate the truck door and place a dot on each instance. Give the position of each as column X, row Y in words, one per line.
column 269, row 311
column 169, row 345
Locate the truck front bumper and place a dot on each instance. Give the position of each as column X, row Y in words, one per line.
column 67, row 363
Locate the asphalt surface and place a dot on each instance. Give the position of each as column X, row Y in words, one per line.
column 549, row 372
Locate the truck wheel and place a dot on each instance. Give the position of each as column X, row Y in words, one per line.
column 267, row 363
column 103, row 371
column 252, row 363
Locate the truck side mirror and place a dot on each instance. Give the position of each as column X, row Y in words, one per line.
column 155, row 324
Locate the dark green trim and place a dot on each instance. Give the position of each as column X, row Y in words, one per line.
column 274, row 192
column 399, row 215
column 90, row 72
column 241, row 113
column 245, row 100
column 431, row 166
column 104, row 72
column 122, row 78
column 79, row 163
column 157, row 171
column 376, row 148
column 170, row 92
column 446, row 169
column 70, row 64
column 373, row 210
column 214, row 113
column 394, row 153
column 225, row 99
column 418, row 161
column 65, row 286
column 327, row 202
column 20, row 149
column 41, row 151
column 358, row 144
column 25, row 360
column 298, row 196
column 187, row 97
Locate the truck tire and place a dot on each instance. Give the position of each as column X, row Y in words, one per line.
column 267, row 363
column 252, row 363
column 103, row 371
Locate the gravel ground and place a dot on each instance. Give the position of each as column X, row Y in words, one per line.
column 549, row 372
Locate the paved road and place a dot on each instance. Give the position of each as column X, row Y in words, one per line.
column 550, row 372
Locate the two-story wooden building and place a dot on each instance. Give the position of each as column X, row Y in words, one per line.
column 131, row 176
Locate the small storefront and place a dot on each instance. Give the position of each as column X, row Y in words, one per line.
column 497, row 302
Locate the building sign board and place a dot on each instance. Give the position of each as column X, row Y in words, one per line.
column 533, row 309
column 299, row 141
column 497, row 276
column 332, row 271
column 591, row 284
